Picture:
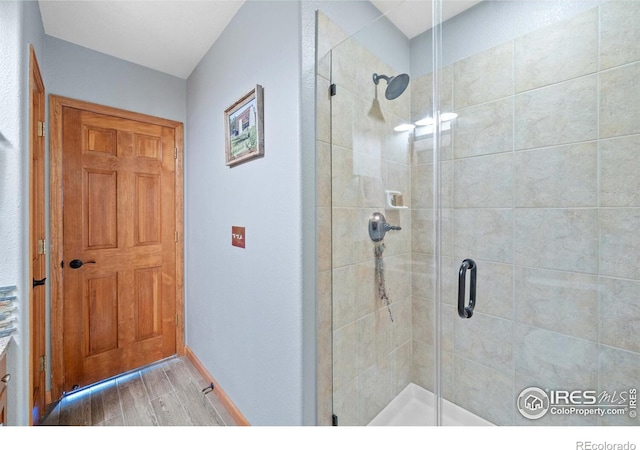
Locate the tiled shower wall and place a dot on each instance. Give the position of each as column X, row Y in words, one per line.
column 541, row 187
column 359, row 157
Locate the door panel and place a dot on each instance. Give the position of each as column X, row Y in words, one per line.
column 147, row 209
column 100, row 209
column 101, row 314
column 119, row 220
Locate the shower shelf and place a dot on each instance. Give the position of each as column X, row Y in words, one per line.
column 392, row 200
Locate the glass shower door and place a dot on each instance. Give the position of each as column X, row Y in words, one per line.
column 538, row 183
column 381, row 343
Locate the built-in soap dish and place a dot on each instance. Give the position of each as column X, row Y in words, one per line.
column 395, row 200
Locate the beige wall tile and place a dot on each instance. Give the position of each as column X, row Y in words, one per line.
column 422, row 364
column 345, row 403
column 397, row 242
column 483, row 182
column 619, row 33
column 323, row 174
column 324, row 348
column 563, row 239
column 401, row 325
column 343, row 119
column 423, row 276
column 421, row 97
column 329, row 35
column 558, row 52
column 449, row 270
column 398, row 178
column 323, row 110
column 423, row 320
column 554, row 361
column 344, row 63
column 345, row 249
column 563, row 302
column 398, row 276
column 345, row 297
column 366, row 288
column 373, row 392
column 494, row 289
column 422, row 230
column 484, row 129
column 422, row 94
column 484, row 234
column 559, row 114
column 619, row 242
column 620, row 101
column 371, row 346
column 397, row 145
column 486, row 340
column 324, row 238
column 345, row 355
column 619, row 171
column 619, row 313
column 484, row 77
column 369, row 129
column 422, row 185
column 400, row 368
column 562, row 176
column 483, row 391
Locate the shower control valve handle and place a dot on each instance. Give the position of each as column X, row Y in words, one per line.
column 378, row 227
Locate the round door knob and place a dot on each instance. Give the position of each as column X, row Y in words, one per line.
column 5, row 379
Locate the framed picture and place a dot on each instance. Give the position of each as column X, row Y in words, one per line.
column 244, row 128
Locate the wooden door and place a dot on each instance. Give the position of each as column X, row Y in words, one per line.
column 120, row 238
column 37, row 242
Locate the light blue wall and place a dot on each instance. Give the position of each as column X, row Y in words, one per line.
column 244, row 306
column 77, row 72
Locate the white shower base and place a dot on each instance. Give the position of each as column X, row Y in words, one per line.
column 415, row 406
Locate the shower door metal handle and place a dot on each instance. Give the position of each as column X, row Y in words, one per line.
column 466, row 311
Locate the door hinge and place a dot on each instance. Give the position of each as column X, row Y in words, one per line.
column 40, row 129
column 332, row 90
column 176, row 236
column 41, row 247
column 43, row 363
column 177, row 320
column 175, row 153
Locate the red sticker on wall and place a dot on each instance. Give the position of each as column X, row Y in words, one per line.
column 237, row 237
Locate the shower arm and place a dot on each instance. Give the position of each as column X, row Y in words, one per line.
column 376, row 78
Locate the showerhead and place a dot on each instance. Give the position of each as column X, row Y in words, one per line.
column 395, row 85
